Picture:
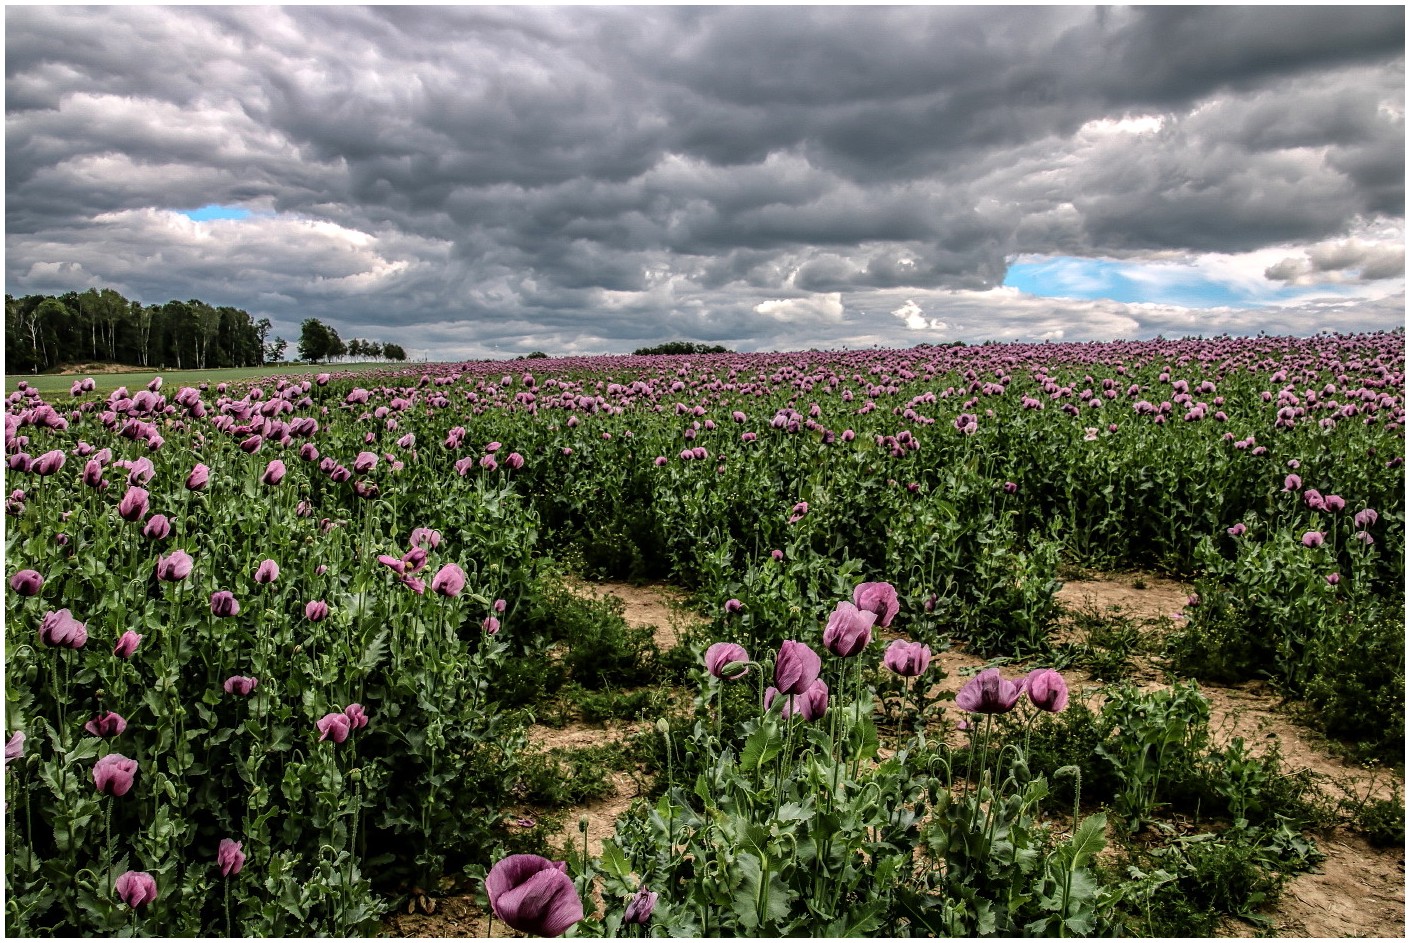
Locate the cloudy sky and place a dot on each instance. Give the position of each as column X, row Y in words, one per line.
column 486, row 181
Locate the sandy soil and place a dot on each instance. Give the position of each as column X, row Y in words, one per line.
column 1358, row 891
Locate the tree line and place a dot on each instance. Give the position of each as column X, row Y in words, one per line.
column 46, row 331
column 318, row 341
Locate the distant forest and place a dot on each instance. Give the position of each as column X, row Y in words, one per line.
column 45, row 331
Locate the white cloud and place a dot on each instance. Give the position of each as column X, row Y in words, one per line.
column 824, row 307
column 915, row 318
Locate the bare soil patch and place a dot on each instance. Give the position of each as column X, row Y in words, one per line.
column 657, row 605
column 1358, row 891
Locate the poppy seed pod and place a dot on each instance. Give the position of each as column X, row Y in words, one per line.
column 534, row 895
column 136, row 889
column 796, row 667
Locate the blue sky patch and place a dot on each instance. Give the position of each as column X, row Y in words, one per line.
column 216, row 211
column 1133, row 282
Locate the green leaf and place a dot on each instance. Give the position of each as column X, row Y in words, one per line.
column 1089, row 839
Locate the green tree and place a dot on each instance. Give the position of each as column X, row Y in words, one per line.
column 393, row 352
column 315, row 340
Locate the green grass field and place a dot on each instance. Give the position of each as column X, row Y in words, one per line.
column 49, row 383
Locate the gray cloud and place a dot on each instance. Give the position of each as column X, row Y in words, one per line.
column 509, row 178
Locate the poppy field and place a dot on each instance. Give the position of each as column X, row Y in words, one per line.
column 273, row 647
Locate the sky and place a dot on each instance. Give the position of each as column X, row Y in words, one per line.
column 485, row 181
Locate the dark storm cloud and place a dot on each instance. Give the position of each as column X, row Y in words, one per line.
column 740, row 174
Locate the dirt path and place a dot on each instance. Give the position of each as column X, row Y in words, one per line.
column 1358, row 891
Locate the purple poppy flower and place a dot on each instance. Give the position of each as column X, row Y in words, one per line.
column 988, row 693
column 113, row 774
column 796, row 667
column 449, row 580
column 93, row 473
column 267, row 572
column 392, row 563
column 133, row 506
column 106, row 725
column 907, row 659
column 414, row 559
column 733, row 605
column 1366, row 518
column 879, row 598
column 316, row 610
column 776, row 554
column 335, row 725
column 241, row 685
column 61, row 629
column 137, row 889
column 719, row 656
column 127, row 644
column 274, row 472
column 514, row 461
column 490, row 625
column 365, row 462
column 1047, row 689
column 1334, row 503
column 415, row 584
column 811, row 703
column 49, row 462
column 500, row 606
column 426, row 538
column 14, row 747
column 641, row 906
column 534, row 895
column 1010, row 487
column 1238, row 530
column 224, row 604
column 27, row 582
column 197, row 480
column 158, row 527
column 848, row 630
column 174, row 567
column 230, row 857
column 1292, row 483
column 1313, row 538
column 356, row 715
